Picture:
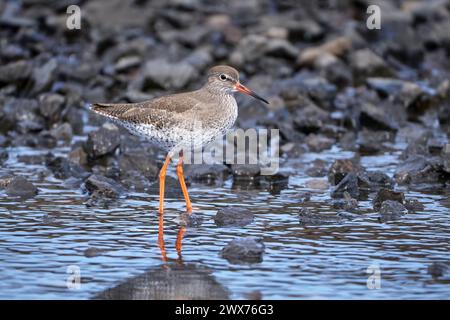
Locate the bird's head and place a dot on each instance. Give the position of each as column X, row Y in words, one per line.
column 226, row 79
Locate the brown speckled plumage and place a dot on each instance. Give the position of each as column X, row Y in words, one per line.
column 173, row 121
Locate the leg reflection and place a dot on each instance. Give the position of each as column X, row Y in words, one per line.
column 178, row 243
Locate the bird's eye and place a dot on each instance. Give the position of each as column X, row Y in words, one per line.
column 223, row 77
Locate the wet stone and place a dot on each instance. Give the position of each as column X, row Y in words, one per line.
column 416, row 169
column 391, row 210
column 21, row 187
column 93, row 252
column 3, row 156
column 138, row 161
column 340, row 168
column 414, row 205
column 63, row 168
column 306, row 217
column 98, row 185
column 244, row 250
column 438, row 269
column 103, row 141
column 348, row 184
column 78, row 156
column 379, row 179
column 245, row 171
column 387, row 194
column 204, row 173
column 233, row 217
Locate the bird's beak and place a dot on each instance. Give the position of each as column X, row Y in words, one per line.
column 239, row 87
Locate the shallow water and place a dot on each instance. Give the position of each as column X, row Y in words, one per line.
column 42, row 237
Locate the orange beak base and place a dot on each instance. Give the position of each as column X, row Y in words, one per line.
column 239, row 87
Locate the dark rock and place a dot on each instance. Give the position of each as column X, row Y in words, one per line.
column 192, row 220
column 348, row 203
column 244, row 250
column 93, row 252
column 438, row 269
column 208, row 174
column 166, row 75
column 340, row 168
column 379, row 179
column 365, row 63
column 309, row 117
column 445, row 155
column 233, row 216
column 44, row 75
column 306, row 217
column 63, row 168
column 417, row 169
column 372, row 142
column 103, row 141
column 414, row 205
column 318, row 168
column 376, row 118
column 21, row 187
column 245, row 171
column 5, row 181
column 139, row 161
column 3, row 156
column 318, row 143
column 101, row 186
column 15, row 71
column 135, row 180
column 253, row 47
column 348, row 184
column 21, row 114
column 386, row 194
column 402, row 91
column 51, row 106
column 62, row 132
column 78, row 156
column 391, row 210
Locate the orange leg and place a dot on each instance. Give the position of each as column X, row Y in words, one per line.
column 180, row 175
column 162, row 180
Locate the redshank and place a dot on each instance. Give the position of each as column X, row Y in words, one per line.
column 174, row 121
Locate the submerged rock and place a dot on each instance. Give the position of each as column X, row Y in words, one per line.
column 21, row 187
column 306, row 217
column 233, row 217
column 244, row 250
column 387, row 194
column 438, row 269
column 391, row 210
